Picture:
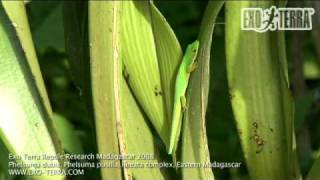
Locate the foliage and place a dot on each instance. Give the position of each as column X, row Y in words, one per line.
column 98, row 77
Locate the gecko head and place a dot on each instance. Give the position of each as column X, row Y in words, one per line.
column 192, row 49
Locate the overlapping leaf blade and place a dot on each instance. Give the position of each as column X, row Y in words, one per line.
column 68, row 136
column 140, row 64
column 139, row 140
column 169, row 55
column 23, row 116
column 260, row 97
column 17, row 15
column 114, row 129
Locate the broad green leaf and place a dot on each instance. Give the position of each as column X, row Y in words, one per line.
column 314, row 172
column 67, row 135
column 23, row 116
column 140, row 64
column 261, row 100
column 169, row 55
column 194, row 138
column 105, row 80
column 17, row 15
column 138, row 138
column 128, row 130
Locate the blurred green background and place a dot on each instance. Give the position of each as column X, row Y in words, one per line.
column 303, row 51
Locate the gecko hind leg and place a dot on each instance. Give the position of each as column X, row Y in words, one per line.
column 183, row 102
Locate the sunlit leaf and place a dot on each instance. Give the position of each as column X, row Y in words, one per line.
column 23, row 116
column 260, row 97
column 67, row 134
column 169, row 55
column 140, row 64
column 139, row 139
column 17, row 15
column 105, row 77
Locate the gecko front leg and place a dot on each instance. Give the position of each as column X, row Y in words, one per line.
column 192, row 67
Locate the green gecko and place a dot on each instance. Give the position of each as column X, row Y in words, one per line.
column 188, row 64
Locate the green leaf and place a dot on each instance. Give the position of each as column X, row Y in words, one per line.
column 169, row 55
column 140, row 64
column 261, row 101
column 194, row 138
column 24, row 120
column 67, row 134
column 139, row 139
column 105, row 80
column 17, row 15
column 142, row 55
column 314, row 172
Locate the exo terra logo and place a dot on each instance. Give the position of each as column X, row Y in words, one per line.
column 272, row 19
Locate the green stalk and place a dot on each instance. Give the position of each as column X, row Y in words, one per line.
column 105, row 67
column 194, row 137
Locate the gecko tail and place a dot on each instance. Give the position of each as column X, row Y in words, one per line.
column 170, row 150
column 171, row 143
column 175, row 125
column 175, row 136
